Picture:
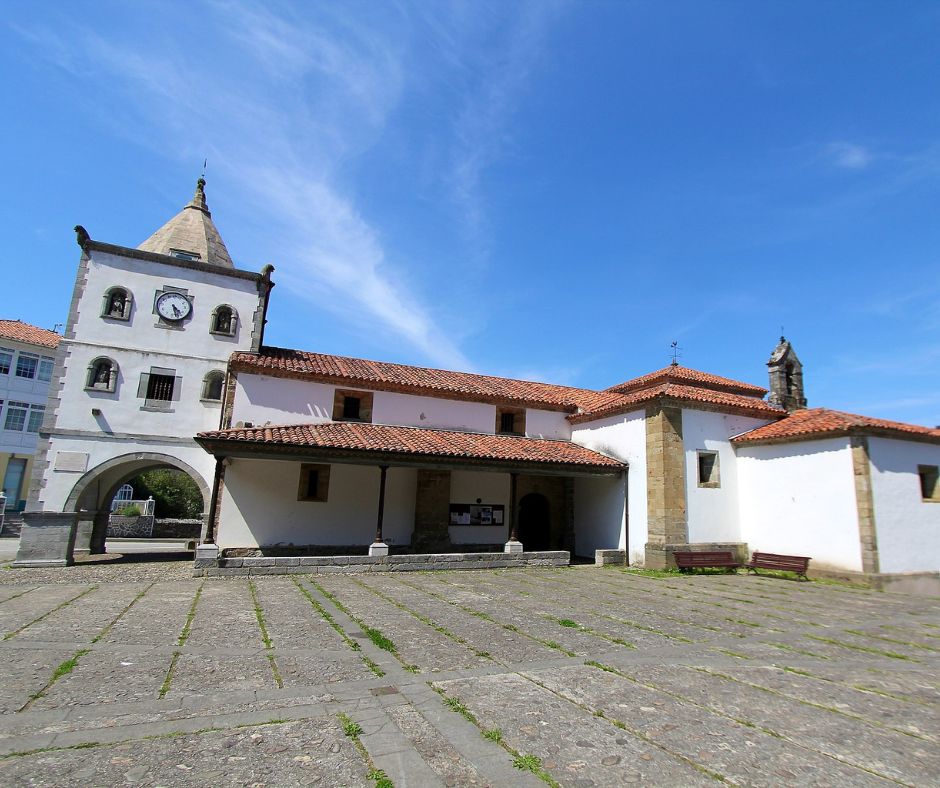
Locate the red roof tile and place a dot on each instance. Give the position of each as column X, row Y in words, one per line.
column 381, row 375
column 414, row 441
column 815, row 423
column 19, row 331
column 690, row 377
column 624, row 403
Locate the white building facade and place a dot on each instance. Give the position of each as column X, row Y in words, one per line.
column 300, row 453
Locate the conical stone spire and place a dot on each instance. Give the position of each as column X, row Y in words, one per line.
column 191, row 234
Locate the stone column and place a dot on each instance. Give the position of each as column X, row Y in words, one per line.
column 47, row 539
column 378, row 547
column 665, row 484
column 867, row 535
column 513, row 545
column 432, row 512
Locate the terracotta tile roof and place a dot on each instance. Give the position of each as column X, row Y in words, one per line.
column 381, row 375
column 690, row 377
column 414, row 441
column 815, row 423
column 19, row 331
column 624, row 403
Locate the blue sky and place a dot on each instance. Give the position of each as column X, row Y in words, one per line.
column 544, row 190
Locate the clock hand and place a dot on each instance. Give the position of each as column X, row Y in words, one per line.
column 176, row 310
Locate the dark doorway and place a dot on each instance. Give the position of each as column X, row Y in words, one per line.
column 535, row 530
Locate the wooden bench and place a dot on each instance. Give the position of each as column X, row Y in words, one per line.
column 686, row 561
column 784, row 563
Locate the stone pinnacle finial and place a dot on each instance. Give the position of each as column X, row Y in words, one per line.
column 199, row 198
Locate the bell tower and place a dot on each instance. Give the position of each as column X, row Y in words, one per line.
column 786, row 377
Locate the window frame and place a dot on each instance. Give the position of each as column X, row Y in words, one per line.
column 5, row 351
column 322, row 493
column 233, row 321
column 714, row 477
column 144, row 388
column 213, row 374
column 21, row 357
column 111, row 386
column 366, row 401
column 929, row 475
column 19, row 407
column 109, row 297
column 518, row 421
column 31, row 421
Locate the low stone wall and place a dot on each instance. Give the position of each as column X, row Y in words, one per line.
column 166, row 528
column 605, row 557
column 293, row 565
column 139, row 527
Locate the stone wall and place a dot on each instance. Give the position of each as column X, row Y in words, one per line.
column 665, row 474
column 432, row 511
column 292, row 565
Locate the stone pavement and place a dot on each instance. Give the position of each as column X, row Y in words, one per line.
column 135, row 674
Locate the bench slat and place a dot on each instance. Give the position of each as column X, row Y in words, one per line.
column 789, row 563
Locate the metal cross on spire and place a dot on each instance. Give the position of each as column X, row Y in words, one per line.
column 676, row 352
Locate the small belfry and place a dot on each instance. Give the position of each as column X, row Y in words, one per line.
column 786, row 377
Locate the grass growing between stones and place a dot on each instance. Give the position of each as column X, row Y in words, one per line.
column 353, row 731
column 526, row 762
column 569, row 624
column 866, row 649
column 58, row 607
column 265, row 637
column 181, row 641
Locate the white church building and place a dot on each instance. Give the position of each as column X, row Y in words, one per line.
column 298, row 453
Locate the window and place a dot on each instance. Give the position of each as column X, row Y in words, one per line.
column 182, row 254
column 16, row 415
column 708, row 469
column 6, row 359
column 510, row 421
column 26, row 364
column 314, row 483
column 929, row 482
column 36, row 412
column 102, row 375
column 45, row 368
column 158, row 388
column 212, row 386
column 117, row 304
column 352, row 405
column 224, row 320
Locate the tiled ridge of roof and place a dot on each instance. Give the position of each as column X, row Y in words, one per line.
column 676, row 373
column 623, row 403
column 819, row 422
column 382, row 374
column 19, row 331
column 355, row 436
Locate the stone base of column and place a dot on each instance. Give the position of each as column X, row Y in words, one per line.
column 378, row 548
column 47, row 539
column 513, row 546
column 207, row 555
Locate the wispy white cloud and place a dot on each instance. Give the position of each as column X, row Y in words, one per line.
column 291, row 100
column 849, row 155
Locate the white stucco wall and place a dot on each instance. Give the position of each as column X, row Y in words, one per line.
column 143, row 278
column 713, row 511
column 549, row 424
column 60, row 483
column 600, row 508
column 260, row 506
column 799, row 499
column 261, row 399
column 622, row 437
column 907, row 527
column 413, row 411
column 490, row 488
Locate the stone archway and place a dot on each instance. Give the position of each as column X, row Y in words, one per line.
column 92, row 493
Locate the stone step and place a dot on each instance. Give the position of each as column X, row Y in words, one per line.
column 12, row 525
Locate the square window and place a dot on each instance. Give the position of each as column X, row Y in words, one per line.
column 45, row 368
column 16, row 415
column 26, row 365
column 352, row 405
column 708, row 469
column 314, row 483
column 510, row 421
column 929, row 482
column 36, row 412
column 6, row 359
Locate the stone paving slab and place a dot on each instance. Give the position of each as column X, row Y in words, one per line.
column 703, row 695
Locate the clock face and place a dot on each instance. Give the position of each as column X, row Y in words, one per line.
column 173, row 306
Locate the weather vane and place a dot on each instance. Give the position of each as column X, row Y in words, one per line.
column 676, row 352
column 205, row 163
